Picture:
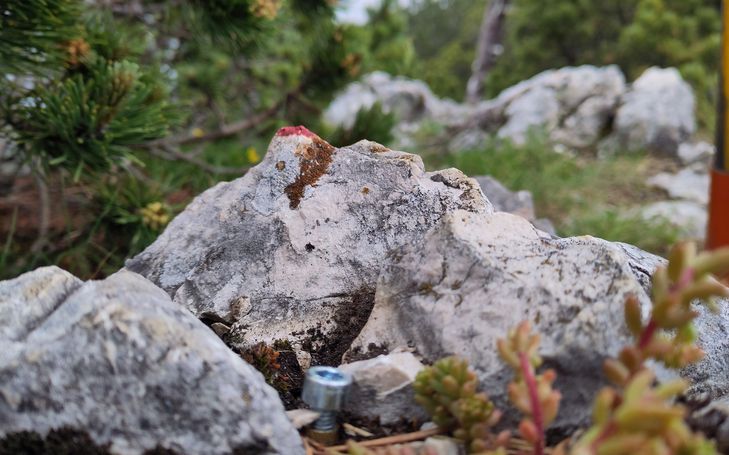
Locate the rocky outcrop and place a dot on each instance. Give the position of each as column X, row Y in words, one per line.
column 573, row 105
column 656, row 113
column 292, row 250
column 688, row 190
column 411, row 100
column 473, row 277
column 583, row 107
column 119, row 361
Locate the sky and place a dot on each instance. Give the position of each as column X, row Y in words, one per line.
column 355, row 11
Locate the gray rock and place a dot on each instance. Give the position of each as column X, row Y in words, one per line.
column 46, row 288
column 685, row 184
column 410, row 100
column 292, row 250
column 713, row 421
column 515, row 202
column 468, row 139
column 382, row 388
column 536, row 109
column 690, row 217
column 657, row 113
column 696, row 153
column 546, row 225
column 573, row 104
column 474, row 276
column 120, row 361
column 585, row 126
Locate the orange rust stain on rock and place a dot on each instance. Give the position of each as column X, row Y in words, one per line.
column 377, row 148
column 314, row 162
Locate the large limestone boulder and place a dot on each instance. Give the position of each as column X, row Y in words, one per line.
column 118, row 360
column 657, row 113
column 573, row 104
column 292, row 250
column 473, row 277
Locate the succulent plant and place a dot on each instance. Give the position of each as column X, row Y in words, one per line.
column 638, row 416
column 448, row 391
column 532, row 394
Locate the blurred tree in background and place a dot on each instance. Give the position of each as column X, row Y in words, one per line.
column 116, row 113
column 544, row 34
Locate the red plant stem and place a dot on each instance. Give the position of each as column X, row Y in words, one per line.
column 647, row 334
column 684, row 280
column 531, row 384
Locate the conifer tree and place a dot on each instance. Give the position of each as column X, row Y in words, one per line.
column 140, row 104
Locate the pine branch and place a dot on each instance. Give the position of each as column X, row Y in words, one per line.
column 224, row 131
column 172, row 153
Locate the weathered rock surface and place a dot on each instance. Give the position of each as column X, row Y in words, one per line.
column 690, row 217
column 657, row 113
column 696, row 153
column 120, row 361
column 572, row 104
column 293, row 249
column 411, row 101
column 471, row 278
column 713, row 421
column 26, row 301
column 382, row 388
column 685, row 184
column 579, row 107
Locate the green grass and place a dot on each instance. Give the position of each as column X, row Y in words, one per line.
column 580, row 195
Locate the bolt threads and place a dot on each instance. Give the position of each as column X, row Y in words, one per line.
column 327, row 421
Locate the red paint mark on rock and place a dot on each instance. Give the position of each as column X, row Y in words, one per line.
column 295, row 131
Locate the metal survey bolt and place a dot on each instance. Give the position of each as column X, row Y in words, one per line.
column 325, row 389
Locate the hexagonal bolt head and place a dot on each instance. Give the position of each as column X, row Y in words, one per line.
column 325, row 389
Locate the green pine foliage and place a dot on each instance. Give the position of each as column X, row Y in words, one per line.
column 88, row 121
column 137, row 109
column 372, row 124
column 31, row 33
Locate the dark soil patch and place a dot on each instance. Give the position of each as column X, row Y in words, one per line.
column 71, row 441
column 373, row 350
column 348, row 321
column 63, row 441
